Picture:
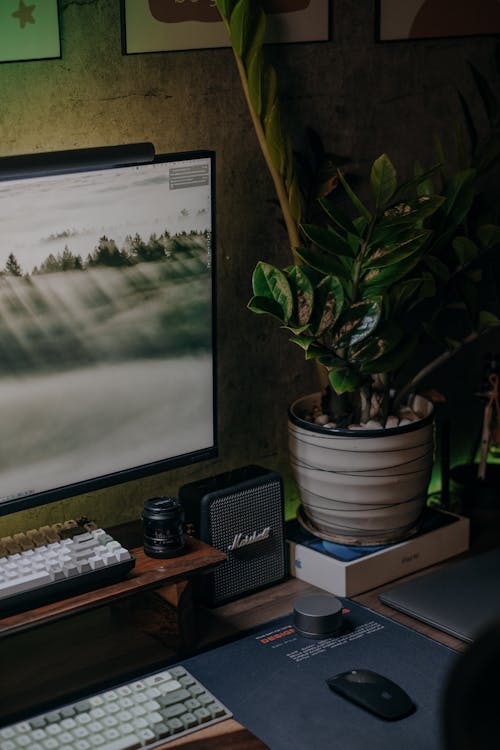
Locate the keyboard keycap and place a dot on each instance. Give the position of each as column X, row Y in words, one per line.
column 99, row 721
column 59, row 567
column 15, row 585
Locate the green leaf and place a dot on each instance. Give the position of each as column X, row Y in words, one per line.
column 427, row 186
column 329, row 360
column 344, row 380
column 397, row 357
column 324, row 262
column 489, row 153
column 314, row 351
column 409, row 292
column 361, row 224
column 266, row 306
column 242, row 25
column 329, row 301
column 268, row 281
column 474, row 274
column 289, row 173
column 357, row 322
column 303, row 341
column 379, row 279
column 312, row 274
column 327, row 239
column 452, row 343
column 274, row 138
column 295, row 199
column 411, row 211
column 390, row 255
column 487, row 320
column 428, row 288
column 384, row 234
column 489, row 235
column 225, row 7
column 421, row 182
column 465, row 250
column 485, row 92
column 303, row 293
column 437, row 267
column 355, row 243
column 338, row 217
column 269, row 90
column 255, row 82
column 459, row 193
column 381, row 342
column 469, row 123
column 439, row 150
column 357, row 203
column 257, row 39
column 383, row 180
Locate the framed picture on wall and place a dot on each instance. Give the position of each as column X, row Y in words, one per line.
column 427, row 19
column 167, row 25
column 29, row 30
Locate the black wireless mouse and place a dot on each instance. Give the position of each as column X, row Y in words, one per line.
column 374, row 692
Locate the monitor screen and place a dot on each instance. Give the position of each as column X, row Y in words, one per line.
column 107, row 368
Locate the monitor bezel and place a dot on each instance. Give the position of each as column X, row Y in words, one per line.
column 93, row 159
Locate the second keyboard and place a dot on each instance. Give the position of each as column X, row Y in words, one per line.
column 155, row 709
column 62, row 568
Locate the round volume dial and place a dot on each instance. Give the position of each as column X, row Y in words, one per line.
column 317, row 615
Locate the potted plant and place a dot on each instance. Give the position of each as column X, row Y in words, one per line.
column 367, row 284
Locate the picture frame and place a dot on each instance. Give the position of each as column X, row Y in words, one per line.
column 436, row 19
column 29, row 32
column 170, row 25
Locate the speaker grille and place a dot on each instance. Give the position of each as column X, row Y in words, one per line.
column 255, row 565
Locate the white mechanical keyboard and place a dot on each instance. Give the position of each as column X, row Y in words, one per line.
column 143, row 713
column 35, row 570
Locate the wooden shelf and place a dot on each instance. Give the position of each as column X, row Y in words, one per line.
column 148, row 573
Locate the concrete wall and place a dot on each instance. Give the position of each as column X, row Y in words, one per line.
column 364, row 97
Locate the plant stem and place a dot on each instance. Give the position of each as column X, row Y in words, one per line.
column 277, row 178
column 431, row 366
column 290, row 223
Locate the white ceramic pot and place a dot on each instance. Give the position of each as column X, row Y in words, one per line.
column 360, row 486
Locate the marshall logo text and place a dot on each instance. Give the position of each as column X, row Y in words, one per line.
column 244, row 540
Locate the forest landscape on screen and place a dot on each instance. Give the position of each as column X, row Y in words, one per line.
column 106, row 325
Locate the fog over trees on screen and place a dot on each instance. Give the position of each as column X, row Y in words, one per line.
column 140, row 299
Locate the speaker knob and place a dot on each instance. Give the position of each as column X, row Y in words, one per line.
column 317, row 615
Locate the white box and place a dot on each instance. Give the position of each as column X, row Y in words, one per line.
column 447, row 536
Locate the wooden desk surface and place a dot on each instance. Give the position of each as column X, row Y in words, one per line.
column 228, row 735
column 107, row 643
column 231, row 619
column 148, row 573
column 370, row 599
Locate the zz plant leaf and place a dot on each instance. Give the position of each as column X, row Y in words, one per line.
column 369, row 282
column 356, row 323
column 383, row 181
column 303, row 293
column 269, row 282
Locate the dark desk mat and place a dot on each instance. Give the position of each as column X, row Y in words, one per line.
column 273, row 680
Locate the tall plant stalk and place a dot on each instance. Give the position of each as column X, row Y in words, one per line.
column 245, row 22
column 364, row 291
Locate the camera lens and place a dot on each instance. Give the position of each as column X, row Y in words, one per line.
column 162, row 520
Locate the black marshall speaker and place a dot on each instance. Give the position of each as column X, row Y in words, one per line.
column 241, row 513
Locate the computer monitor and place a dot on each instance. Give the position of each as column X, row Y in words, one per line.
column 107, row 319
